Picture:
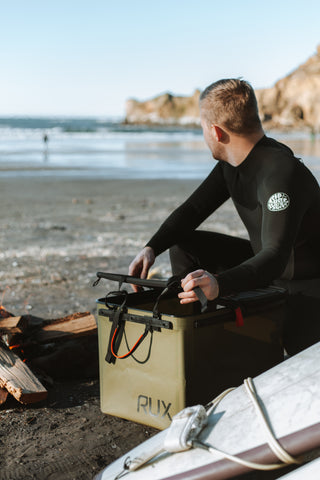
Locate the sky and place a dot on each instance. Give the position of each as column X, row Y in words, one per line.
column 86, row 58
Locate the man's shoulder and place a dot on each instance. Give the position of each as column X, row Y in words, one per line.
column 275, row 157
column 284, row 170
column 273, row 149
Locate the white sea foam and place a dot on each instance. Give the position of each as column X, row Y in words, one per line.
column 100, row 148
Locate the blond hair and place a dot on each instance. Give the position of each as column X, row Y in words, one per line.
column 231, row 103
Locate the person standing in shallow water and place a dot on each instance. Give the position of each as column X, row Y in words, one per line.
column 45, row 139
column 277, row 198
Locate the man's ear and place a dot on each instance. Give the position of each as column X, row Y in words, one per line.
column 217, row 132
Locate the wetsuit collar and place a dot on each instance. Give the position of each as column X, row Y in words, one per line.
column 248, row 165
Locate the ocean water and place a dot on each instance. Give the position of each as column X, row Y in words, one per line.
column 105, row 148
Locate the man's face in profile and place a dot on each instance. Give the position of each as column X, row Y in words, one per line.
column 210, row 138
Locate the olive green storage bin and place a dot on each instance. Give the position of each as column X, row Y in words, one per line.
column 187, row 357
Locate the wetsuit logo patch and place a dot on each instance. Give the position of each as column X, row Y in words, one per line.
column 278, row 201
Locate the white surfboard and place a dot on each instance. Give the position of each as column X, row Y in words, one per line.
column 289, row 395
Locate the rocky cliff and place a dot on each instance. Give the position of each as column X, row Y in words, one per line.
column 165, row 109
column 293, row 102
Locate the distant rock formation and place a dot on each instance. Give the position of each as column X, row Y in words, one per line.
column 293, row 102
column 165, row 109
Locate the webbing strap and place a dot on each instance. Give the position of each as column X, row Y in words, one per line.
column 117, row 327
column 110, row 358
column 202, row 298
column 235, row 306
column 239, row 317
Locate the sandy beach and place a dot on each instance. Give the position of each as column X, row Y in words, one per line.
column 56, row 233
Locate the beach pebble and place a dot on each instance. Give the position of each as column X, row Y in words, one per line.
column 56, row 277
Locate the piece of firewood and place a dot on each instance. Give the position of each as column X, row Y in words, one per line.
column 17, row 378
column 25, row 328
column 13, row 325
column 3, row 395
column 74, row 325
column 4, row 313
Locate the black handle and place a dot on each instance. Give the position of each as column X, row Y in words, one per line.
column 172, row 283
column 143, row 282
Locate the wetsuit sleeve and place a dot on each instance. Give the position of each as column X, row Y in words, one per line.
column 283, row 203
column 203, row 202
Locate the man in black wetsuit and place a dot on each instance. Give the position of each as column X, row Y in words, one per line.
column 276, row 196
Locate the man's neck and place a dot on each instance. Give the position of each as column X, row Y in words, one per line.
column 240, row 147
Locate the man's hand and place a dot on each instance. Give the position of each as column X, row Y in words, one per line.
column 140, row 266
column 202, row 279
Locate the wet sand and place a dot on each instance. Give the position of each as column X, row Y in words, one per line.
column 55, row 234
